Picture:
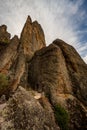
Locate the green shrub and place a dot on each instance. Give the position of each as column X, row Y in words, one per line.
column 3, row 83
column 61, row 116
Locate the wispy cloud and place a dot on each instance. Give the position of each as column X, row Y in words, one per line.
column 59, row 19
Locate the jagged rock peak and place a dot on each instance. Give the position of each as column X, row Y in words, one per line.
column 32, row 37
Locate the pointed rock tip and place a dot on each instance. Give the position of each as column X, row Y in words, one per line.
column 29, row 19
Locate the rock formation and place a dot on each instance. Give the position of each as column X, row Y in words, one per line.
column 59, row 71
column 53, row 80
column 32, row 37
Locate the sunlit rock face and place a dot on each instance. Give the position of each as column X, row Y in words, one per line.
column 32, row 37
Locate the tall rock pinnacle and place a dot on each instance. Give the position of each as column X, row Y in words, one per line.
column 29, row 20
column 32, row 37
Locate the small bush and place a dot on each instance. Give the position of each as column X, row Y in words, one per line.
column 61, row 116
column 3, row 84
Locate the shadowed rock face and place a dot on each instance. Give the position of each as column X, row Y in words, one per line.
column 59, row 71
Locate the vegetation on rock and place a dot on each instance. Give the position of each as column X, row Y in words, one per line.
column 61, row 116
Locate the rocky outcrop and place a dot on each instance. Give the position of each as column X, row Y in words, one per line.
column 4, row 35
column 24, row 112
column 59, row 71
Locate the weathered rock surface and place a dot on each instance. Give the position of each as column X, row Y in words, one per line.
column 4, row 35
column 59, row 71
column 24, row 112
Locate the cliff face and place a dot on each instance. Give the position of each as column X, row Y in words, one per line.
column 54, row 78
column 59, row 71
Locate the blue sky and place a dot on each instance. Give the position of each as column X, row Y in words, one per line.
column 64, row 19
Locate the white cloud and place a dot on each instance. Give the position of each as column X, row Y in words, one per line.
column 59, row 18
column 85, row 58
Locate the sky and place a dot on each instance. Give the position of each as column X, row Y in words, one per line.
column 63, row 19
